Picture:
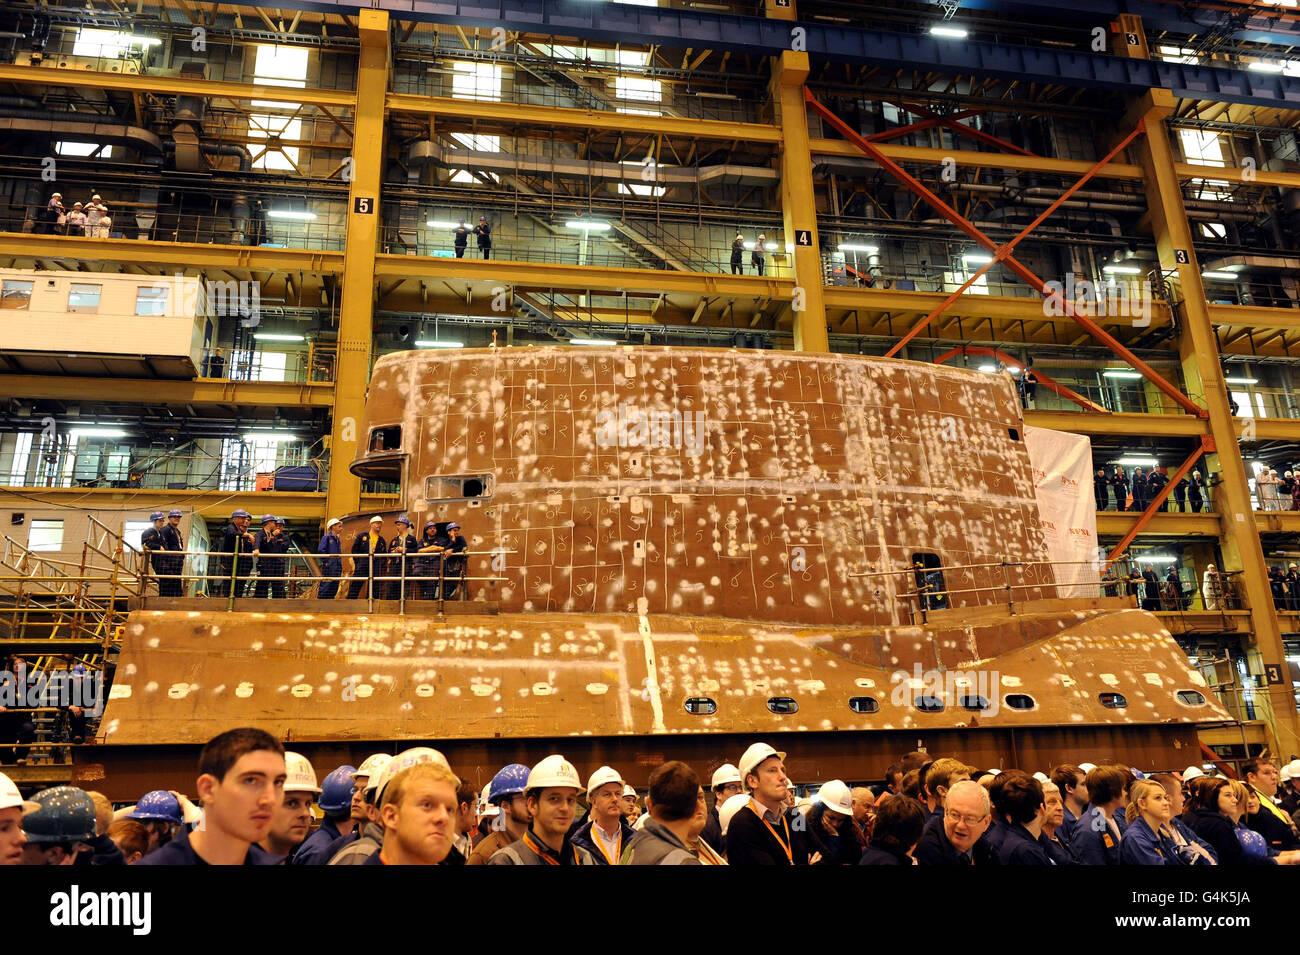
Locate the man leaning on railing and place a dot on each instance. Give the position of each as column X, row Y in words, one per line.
column 236, row 564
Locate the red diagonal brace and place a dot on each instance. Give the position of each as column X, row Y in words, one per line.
column 1043, row 379
column 1145, row 517
column 960, row 221
column 1004, row 251
column 950, row 122
column 923, row 124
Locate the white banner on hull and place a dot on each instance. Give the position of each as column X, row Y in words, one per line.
column 1062, row 465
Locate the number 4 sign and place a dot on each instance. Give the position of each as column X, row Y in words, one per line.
column 803, row 236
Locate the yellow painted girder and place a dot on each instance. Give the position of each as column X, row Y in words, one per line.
column 210, row 504
column 1135, row 425
column 157, row 83
column 968, row 159
column 1255, row 316
column 1118, row 523
column 202, row 391
column 182, row 255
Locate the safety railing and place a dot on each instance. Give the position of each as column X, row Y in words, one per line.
column 321, row 228
column 233, row 364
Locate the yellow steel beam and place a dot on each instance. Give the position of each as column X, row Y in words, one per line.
column 156, row 83
column 209, row 504
column 1012, row 307
column 1269, row 429
column 202, row 391
column 543, row 275
column 1118, row 523
column 542, row 117
column 356, row 312
column 1259, row 177
column 966, row 158
column 181, row 255
column 799, row 202
column 1126, row 425
column 1255, row 316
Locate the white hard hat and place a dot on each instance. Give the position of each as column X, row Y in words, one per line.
column 726, row 773
column 1294, row 768
column 405, row 760
column 628, row 790
column 729, row 808
column 1042, row 777
column 301, row 777
column 1087, row 767
column 755, row 755
column 376, row 518
column 837, row 796
column 641, row 821
column 10, row 798
column 373, row 766
column 994, row 772
column 602, row 777
column 1284, row 774
column 1192, row 772
column 554, row 771
column 486, row 808
column 332, row 521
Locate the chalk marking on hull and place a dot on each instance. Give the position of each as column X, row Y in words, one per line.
column 651, row 669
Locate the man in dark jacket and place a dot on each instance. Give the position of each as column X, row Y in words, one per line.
column 949, row 839
column 429, row 564
column 1292, row 588
column 152, row 541
column 461, row 239
column 668, row 836
column 1119, row 485
column 399, row 564
column 725, row 784
column 1096, row 837
column 1196, row 492
column 738, row 255
column 1151, row 601
column 173, row 584
column 363, row 546
column 830, row 830
column 1156, row 481
column 1101, row 490
column 484, row 233
column 1180, row 494
column 454, row 562
column 1023, row 802
column 605, row 834
column 1270, row 822
column 760, row 833
column 236, row 555
column 1139, row 486
column 900, row 823
column 269, row 546
column 331, row 568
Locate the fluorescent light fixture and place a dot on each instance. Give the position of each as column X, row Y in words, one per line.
column 1138, row 462
column 730, row 96
column 1263, row 66
column 269, row 436
column 1234, row 268
column 1242, row 381
column 289, row 214
column 851, row 247
column 440, row 224
column 1220, row 276
column 1155, row 559
column 954, row 33
column 1122, row 269
column 587, row 225
column 976, row 258
column 988, row 369
column 592, row 341
column 1120, row 373
column 98, row 433
column 275, row 337
column 438, row 344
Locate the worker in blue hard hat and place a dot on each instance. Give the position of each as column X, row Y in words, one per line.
column 161, row 814
column 454, row 562
column 428, row 563
column 236, row 563
column 336, row 803
column 152, row 542
column 506, row 791
column 268, row 546
column 172, row 584
column 62, row 823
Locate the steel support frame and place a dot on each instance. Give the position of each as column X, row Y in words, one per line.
column 1001, row 254
column 950, row 123
column 1047, row 382
column 1206, row 446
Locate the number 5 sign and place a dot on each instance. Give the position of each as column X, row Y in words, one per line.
column 363, row 205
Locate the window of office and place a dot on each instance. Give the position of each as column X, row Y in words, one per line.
column 637, row 89
column 16, row 294
column 93, row 42
column 273, row 128
column 67, row 148
column 133, row 530
column 151, row 300
column 280, row 66
column 260, row 366
column 84, row 297
column 45, row 535
column 21, row 456
column 482, row 82
column 242, row 460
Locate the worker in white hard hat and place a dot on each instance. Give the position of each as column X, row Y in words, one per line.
column 373, row 835
column 761, row 833
column 606, row 831
column 291, row 820
column 552, row 794
column 831, row 833
column 1290, row 792
column 364, row 545
column 353, row 848
column 631, row 809
column 12, row 807
column 726, row 783
column 331, row 567
column 418, row 811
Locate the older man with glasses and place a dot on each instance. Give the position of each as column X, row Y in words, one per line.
column 949, row 839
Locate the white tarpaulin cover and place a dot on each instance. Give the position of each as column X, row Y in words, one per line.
column 1062, row 464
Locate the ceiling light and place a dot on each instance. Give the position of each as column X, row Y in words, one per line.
column 1220, row 276
column 276, row 337
column 440, row 224
column 1242, row 381
column 850, row 247
column 1155, row 558
column 1263, row 66
column 289, row 214
column 438, row 344
column 1138, row 462
column 976, row 258
column 1120, row 373
column 587, row 225
column 592, row 341
column 955, row 33
column 269, row 436
column 98, row 433
column 988, row 369
column 1122, row 269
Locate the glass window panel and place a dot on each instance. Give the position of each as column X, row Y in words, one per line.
column 45, row 535
column 15, row 294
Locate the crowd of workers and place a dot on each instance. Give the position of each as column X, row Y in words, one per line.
column 89, row 218
column 1134, row 491
column 256, row 804
column 428, row 567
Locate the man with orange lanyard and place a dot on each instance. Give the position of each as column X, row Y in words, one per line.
column 606, row 831
column 552, row 794
column 760, row 833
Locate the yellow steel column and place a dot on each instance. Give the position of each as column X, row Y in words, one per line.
column 798, row 202
column 1198, row 349
column 352, row 368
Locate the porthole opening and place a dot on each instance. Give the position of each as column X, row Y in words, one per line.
column 701, row 706
column 929, row 704
column 1113, row 701
column 1020, row 701
column 1191, row 698
column 864, row 704
column 783, row 705
column 974, row 703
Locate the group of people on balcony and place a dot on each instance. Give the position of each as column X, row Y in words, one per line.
column 426, row 568
column 482, row 234
column 757, row 255
column 1275, row 493
column 1133, row 492
column 90, row 219
column 1171, row 594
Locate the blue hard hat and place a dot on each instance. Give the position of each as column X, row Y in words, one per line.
column 240, row 512
column 403, row 519
column 268, row 518
column 453, row 526
column 280, row 521
column 428, row 524
column 336, row 790
column 510, row 781
column 157, row 516
column 175, row 512
column 159, row 804
column 62, row 814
